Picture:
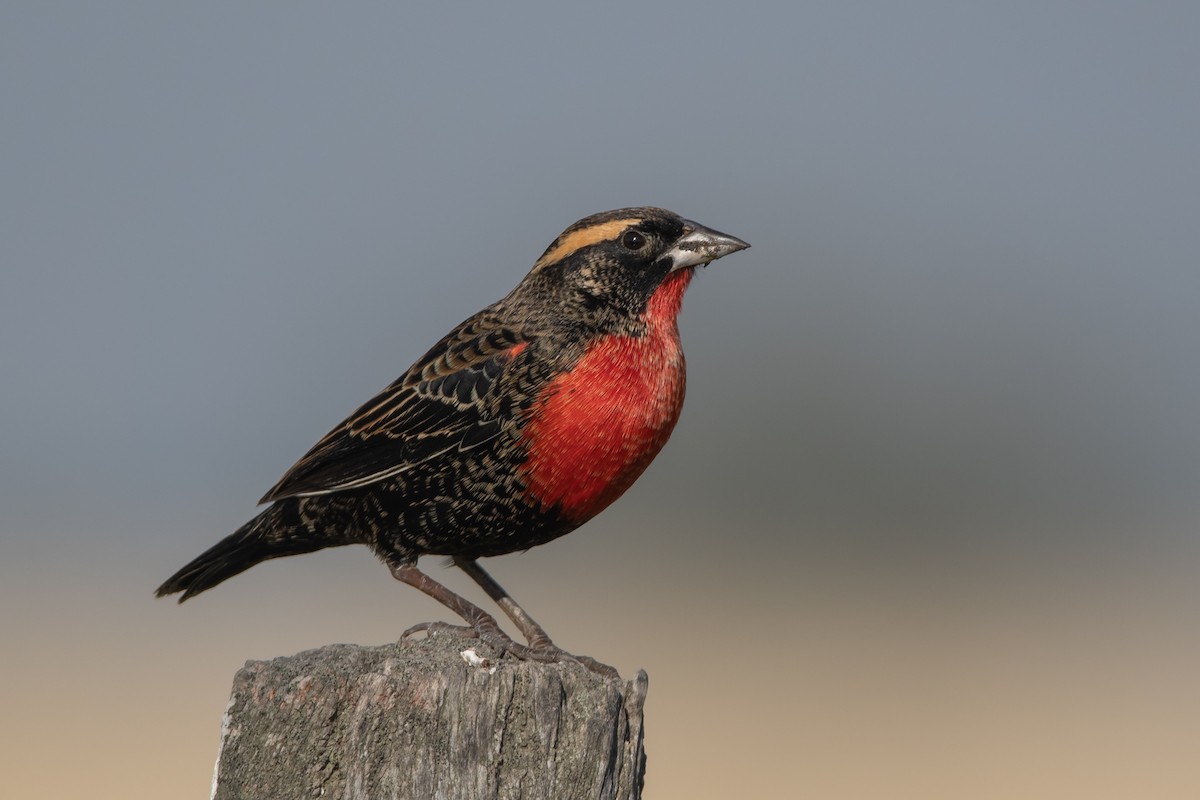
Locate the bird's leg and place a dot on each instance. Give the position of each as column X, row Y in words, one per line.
column 482, row 624
column 535, row 635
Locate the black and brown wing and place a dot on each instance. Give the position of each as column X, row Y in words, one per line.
column 445, row 401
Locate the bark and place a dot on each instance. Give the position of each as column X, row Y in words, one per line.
column 416, row 720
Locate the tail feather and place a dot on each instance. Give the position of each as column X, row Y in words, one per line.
column 256, row 541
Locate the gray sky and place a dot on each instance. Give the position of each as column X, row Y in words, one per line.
column 970, row 226
column 967, row 328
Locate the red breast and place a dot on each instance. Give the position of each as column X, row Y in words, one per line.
column 598, row 426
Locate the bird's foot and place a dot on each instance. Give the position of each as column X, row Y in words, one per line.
column 547, row 652
column 433, row 628
column 484, row 628
column 542, row 650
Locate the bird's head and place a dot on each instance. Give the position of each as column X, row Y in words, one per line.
column 605, row 268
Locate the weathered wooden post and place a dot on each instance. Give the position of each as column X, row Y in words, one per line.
column 429, row 719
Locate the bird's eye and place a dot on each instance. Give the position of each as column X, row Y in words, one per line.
column 633, row 240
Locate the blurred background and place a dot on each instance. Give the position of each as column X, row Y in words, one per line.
column 928, row 527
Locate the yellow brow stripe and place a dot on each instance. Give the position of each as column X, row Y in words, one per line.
column 577, row 240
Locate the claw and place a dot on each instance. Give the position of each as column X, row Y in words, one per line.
column 432, row 628
column 599, row 668
column 553, row 654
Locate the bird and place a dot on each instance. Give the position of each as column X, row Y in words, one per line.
column 524, row 422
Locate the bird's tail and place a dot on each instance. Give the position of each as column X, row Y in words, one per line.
column 266, row 536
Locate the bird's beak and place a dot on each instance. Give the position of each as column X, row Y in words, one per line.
column 700, row 245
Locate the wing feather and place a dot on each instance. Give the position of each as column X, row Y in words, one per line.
column 446, row 401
